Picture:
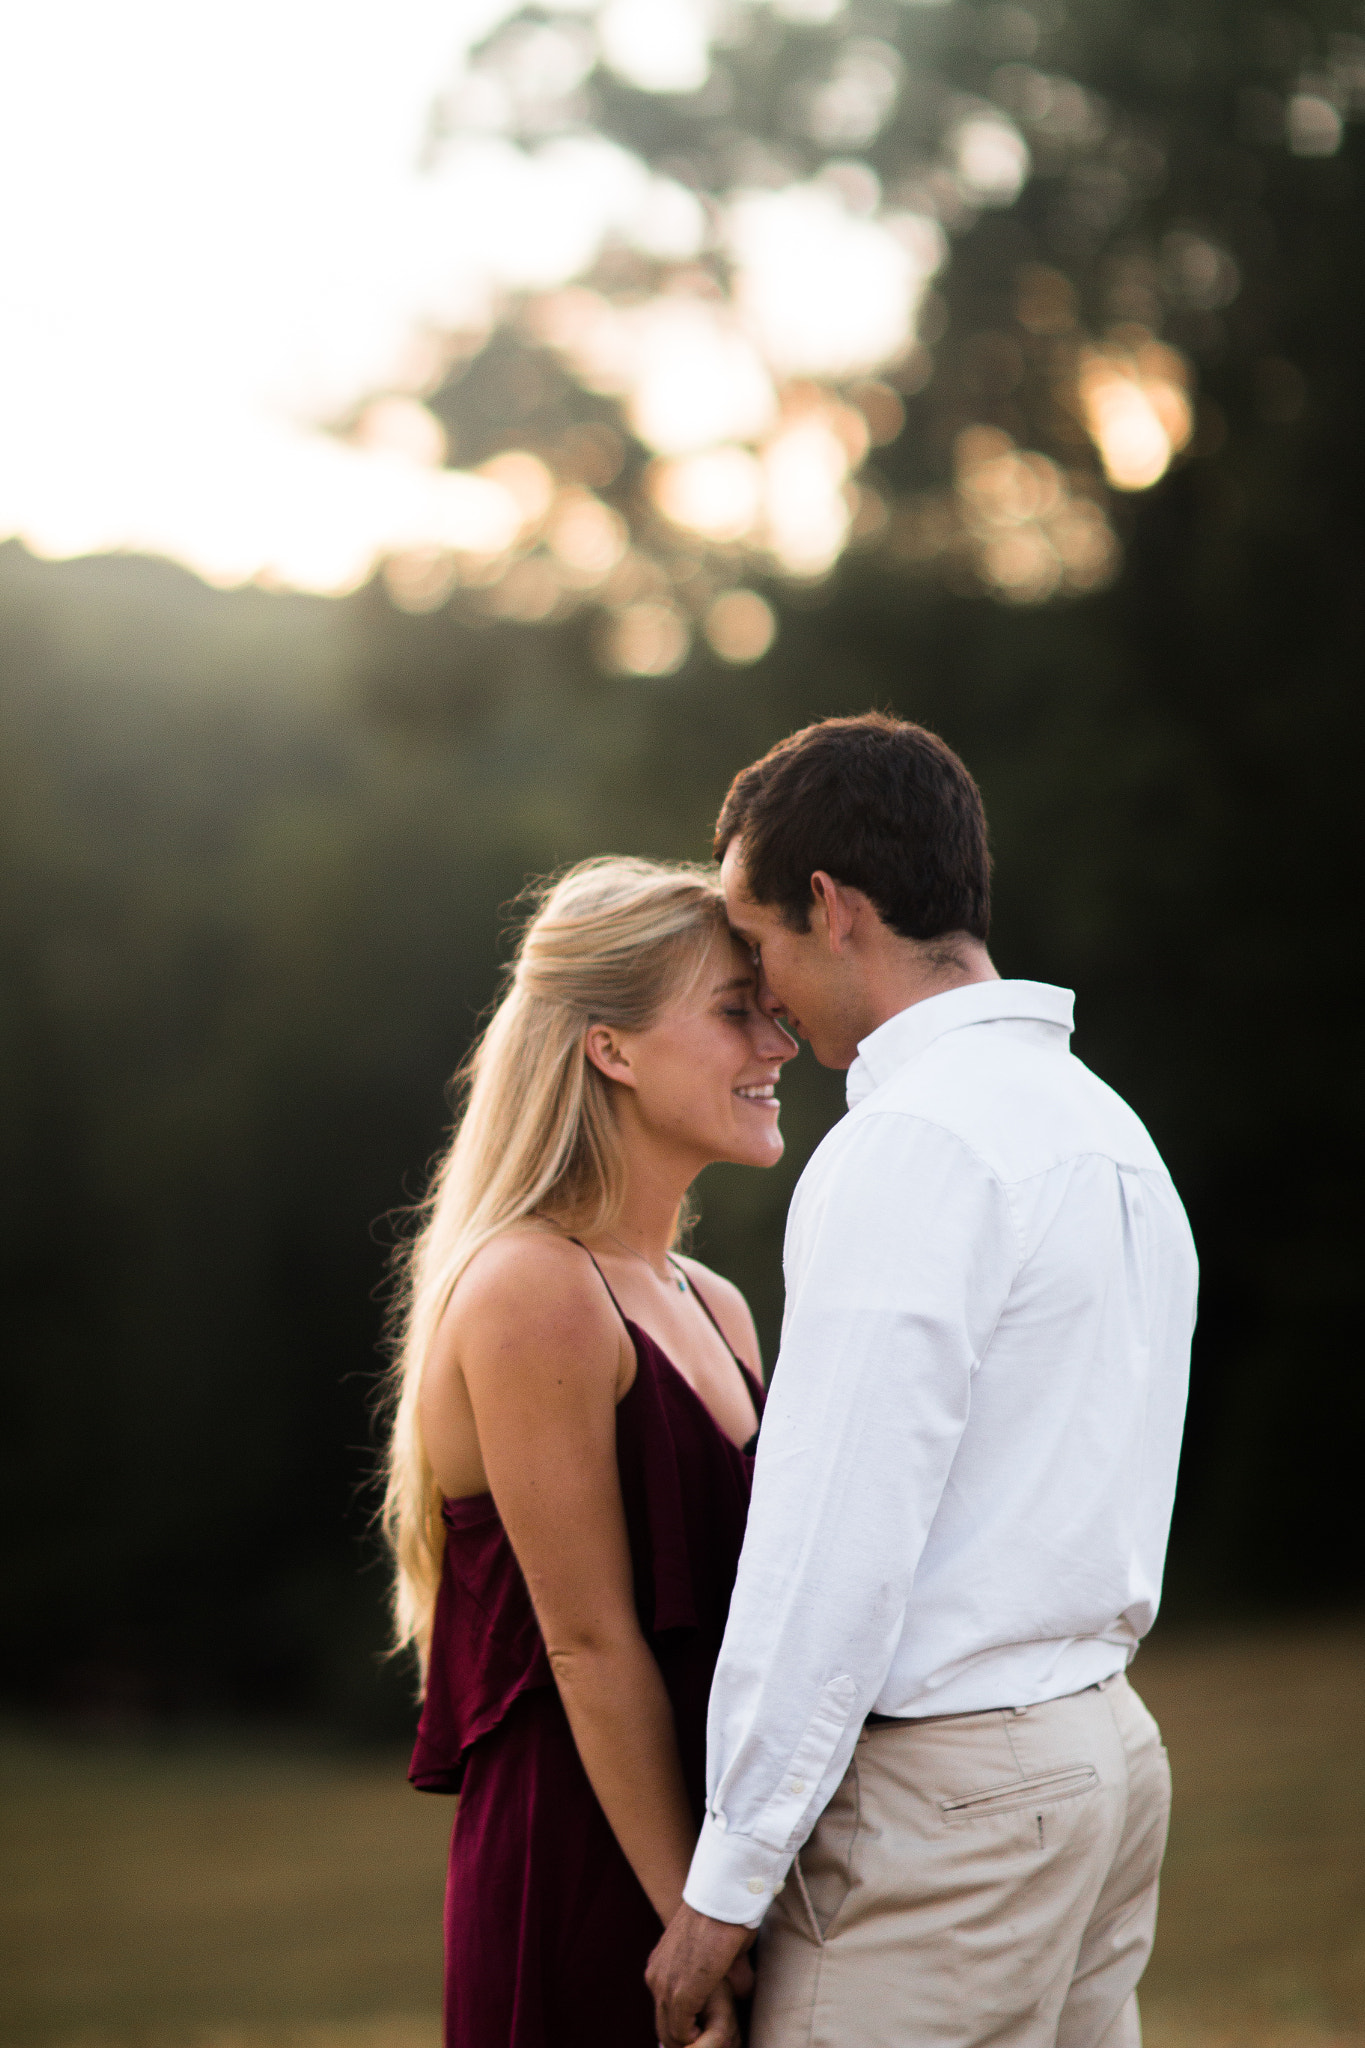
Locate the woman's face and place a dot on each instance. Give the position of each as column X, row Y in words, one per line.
column 702, row 1080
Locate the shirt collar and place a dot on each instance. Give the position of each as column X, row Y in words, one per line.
column 910, row 1032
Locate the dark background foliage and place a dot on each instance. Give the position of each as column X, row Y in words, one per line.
column 256, row 853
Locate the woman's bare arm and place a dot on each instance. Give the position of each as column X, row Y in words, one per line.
column 543, row 1359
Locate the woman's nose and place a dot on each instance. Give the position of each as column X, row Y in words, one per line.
column 763, row 995
column 773, row 1009
column 775, row 1041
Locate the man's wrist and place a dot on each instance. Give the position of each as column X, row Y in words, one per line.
column 733, row 1878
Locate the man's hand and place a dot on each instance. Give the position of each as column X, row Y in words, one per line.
column 686, row 1972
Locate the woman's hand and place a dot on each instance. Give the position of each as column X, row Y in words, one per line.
column 719, row 2020
column 740, row 1976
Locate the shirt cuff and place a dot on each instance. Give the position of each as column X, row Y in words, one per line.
column 733, row 1877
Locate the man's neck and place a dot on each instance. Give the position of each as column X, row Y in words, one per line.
column 913, row 970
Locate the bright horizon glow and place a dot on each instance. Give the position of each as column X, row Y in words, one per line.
column 240, row 254
column 213, row 245
column 220, row 240
column 225, row 243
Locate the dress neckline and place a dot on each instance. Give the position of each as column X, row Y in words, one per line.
column 636, row 1331
column 639, row 1335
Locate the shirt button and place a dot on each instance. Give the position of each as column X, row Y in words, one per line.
column 798, row 1785
column 756, row 1885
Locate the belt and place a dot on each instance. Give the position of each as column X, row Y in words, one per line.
column 918, row 1720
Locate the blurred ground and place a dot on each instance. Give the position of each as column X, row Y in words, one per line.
column 203, row 1895
column 1262, row 1932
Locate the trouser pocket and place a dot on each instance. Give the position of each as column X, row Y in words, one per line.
column 822, row 1874
column 1067, row 1781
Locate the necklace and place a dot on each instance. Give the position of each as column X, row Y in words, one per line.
column 671, row 1274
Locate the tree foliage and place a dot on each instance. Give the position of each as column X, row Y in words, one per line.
column 1107, row 197
column 255, row 853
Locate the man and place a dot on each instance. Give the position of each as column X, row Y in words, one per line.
column 925, row 1764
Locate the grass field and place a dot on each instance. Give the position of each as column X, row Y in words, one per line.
column 197, row 1895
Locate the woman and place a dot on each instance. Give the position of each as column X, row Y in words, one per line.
column 568, row 1469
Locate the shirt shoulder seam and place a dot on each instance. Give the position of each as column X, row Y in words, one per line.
column 992, row 1173
column 1156, row 1169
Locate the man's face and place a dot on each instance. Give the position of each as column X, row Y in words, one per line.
column 798, row 976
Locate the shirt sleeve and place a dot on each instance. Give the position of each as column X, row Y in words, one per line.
column 899, row 1264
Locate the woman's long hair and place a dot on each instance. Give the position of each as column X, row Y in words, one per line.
column 610, row 942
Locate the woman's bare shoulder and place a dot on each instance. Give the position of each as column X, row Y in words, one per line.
column 527, row 1351
column 530, row 1287
column 534, row 1269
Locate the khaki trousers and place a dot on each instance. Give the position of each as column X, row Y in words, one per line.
column 977, row 1881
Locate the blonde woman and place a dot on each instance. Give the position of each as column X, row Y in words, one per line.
column 571, row 1451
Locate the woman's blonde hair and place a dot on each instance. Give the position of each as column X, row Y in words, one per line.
column 609, row 942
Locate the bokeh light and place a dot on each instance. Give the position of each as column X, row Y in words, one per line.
column 825, row 292
column 805, row 508
column 1314, row 125
column 659, row 45
column 717, row 494
column 992, row 159
column 744, row 314
column 740, row 626
column 651, row 638
column 1015, row 524
column 854, row 100
column 1137, row 408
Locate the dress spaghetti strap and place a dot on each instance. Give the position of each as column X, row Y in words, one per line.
column 606, row 1283
column 745, row 1375
column 705, row 1307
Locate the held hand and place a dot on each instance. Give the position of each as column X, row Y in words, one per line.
column 719, row 2020
column 740, row 1976
column 685, row 1973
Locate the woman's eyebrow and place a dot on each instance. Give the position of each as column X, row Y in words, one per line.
column 739, row 981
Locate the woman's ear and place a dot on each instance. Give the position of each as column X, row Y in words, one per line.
column 608, row 1056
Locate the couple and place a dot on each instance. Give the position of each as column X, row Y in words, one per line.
column 923, row 1772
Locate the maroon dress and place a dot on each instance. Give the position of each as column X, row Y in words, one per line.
column 547, row 1928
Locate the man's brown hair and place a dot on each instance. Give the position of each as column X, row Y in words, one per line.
column 882, row 805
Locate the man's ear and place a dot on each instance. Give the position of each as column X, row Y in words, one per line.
column 834, row 908
column 608, row 1056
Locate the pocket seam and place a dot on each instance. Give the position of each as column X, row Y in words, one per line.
column 1048, row 1788
column 822, row 1934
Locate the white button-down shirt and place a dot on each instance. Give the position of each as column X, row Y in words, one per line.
column 968, row 1460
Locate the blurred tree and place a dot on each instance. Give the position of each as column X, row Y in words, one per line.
column 254, row 850
column 1141, row 336
column 1002, row 264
